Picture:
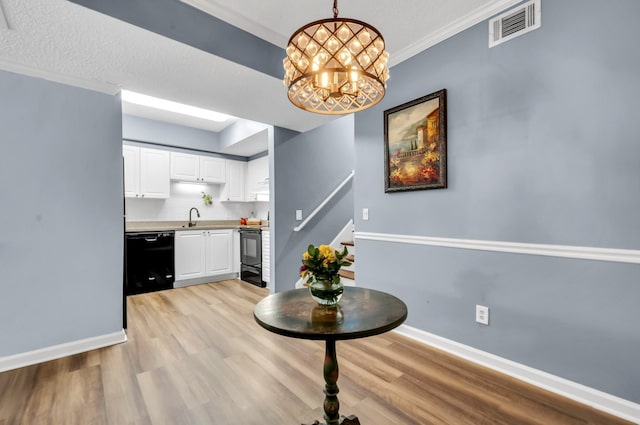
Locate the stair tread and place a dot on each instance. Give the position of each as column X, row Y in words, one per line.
column 347, row 274
column 347, row 243
column 350, row 258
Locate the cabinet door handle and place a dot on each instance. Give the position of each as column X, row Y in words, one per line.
column 150, row 239
column 151, row 278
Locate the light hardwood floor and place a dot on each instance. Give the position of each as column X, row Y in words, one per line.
column 196, row 356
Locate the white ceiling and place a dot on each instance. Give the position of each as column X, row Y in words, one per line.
column 64, row 42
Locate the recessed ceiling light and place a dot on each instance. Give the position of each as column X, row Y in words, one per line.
column 167, row 105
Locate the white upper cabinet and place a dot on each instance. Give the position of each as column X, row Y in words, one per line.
column 131, row 156
column 258, row 179
column 212, row 170
column 234, row 187
column 146, row 172
column 154, row 173
column 185, row 167
column 194, row 168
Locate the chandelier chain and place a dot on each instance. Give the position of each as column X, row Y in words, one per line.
column 335, row 9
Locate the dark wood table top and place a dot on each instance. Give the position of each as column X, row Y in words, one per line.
column 361, row 312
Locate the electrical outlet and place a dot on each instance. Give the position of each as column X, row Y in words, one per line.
column 482, row 314
column 365, row 213
column 298, row 215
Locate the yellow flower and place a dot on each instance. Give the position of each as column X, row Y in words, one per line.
column 323, row 262
column 327, row 253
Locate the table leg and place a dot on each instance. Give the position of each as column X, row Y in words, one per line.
column 331, row 403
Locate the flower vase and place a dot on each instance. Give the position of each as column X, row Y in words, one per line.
column 326, row 291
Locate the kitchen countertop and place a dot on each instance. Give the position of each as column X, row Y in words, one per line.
column 162, row 226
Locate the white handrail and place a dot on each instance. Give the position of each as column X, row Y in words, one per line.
column 337, row 189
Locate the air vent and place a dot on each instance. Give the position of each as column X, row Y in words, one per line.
column 515, row 22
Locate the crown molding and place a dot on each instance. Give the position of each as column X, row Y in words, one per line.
column 214, row 8
column 219, row 11
column 564, row 251
column 457, row 26
column 56, row 77
column 4, row 25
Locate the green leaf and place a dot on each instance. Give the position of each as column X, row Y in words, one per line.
column 311, row 250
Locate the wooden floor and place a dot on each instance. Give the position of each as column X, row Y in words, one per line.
column 196, row 356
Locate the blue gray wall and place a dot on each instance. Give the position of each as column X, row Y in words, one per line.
column 305, row 170
column 543, row 148
column 240, row 130
column 61, row 245
column 162, row 133
column 143, row 131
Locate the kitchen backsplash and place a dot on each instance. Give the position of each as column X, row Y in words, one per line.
column 187, row 195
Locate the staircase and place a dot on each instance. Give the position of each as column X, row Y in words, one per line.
column 348, row 274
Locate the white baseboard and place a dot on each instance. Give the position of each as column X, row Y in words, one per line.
column 206, row 279
column 62, row 350
column 597, row 399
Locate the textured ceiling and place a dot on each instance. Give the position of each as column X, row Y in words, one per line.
column 64, row 42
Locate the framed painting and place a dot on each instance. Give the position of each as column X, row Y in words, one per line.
column 415, row 144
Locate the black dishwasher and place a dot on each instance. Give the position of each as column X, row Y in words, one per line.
column 149, row 261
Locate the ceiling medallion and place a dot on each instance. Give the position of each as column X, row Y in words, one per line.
column 336, row 66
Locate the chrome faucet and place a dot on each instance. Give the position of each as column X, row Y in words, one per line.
column 191, row 222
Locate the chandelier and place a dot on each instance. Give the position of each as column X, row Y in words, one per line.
column 336, row 66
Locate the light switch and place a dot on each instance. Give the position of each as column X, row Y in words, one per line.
column 365, row 213
column 482, row 314
column 298, row 215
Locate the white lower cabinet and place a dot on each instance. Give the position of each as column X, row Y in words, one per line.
column 236, row 252
column 218, row 252
column 189, row 254
column 202, row 253
column 266, row 258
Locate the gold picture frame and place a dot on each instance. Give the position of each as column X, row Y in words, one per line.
column 415, row 144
